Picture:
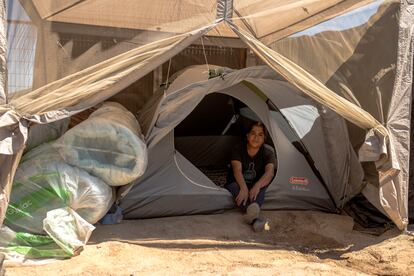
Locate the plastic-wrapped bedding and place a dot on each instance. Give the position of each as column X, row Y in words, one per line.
column 108, row 145
column 44, row 182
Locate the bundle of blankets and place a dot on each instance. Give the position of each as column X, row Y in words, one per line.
column 74, row 177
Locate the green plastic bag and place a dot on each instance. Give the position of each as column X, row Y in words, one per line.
column 67, row 234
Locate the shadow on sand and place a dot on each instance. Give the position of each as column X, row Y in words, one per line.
column 329, row 236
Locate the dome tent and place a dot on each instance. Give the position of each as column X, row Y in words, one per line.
column 173, row 185
column 330, row 65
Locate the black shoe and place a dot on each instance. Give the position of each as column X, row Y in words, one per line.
column 259, row 225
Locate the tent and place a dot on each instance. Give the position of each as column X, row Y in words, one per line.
column 63, row 58
column 307, row 177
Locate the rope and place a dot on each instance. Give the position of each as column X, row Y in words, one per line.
column 168, row 75
column 205, row 56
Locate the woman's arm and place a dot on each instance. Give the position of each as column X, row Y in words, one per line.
column 263, row 181
column 267, row 176
column 238, row 175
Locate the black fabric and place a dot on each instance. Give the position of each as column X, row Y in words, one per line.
column 252, row 167
column 216, row 174
column 365, row 214
column 220, row 112
column 207, row 151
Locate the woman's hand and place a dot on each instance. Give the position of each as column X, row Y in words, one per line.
column 254, row 192
column 242, row 196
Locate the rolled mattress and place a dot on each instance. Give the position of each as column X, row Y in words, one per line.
column 108, row 145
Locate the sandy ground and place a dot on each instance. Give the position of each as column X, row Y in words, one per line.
column 297, row 243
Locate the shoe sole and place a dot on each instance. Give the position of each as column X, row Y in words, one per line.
column 252, row 213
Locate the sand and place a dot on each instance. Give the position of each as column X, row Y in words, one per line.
column 297, row 243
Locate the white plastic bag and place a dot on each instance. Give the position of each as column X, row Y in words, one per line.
column 69, row 230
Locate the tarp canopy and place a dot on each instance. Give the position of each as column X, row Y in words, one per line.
column 265, row 18
column 66, row 56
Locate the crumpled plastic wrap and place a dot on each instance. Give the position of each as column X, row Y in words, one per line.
column 67, row 234
column 44, row 182
column 109, row 145
column 19, row 245
column 69, row 230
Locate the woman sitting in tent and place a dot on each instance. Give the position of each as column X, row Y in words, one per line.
column 252, row 169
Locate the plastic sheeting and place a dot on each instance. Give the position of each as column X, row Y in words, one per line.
column 69, row 230
column 67, row 234
column 20, row 245
column 108, row 145
column 43, row 182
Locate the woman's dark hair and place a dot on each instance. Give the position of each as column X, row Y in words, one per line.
column 253, row 124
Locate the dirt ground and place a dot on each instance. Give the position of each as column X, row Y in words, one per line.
column 297, row 243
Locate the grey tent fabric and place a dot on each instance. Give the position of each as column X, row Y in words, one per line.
column 398, row 121
column 173, row 186
column 296, row 186
column 336, row 163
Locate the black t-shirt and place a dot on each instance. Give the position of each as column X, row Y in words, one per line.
column 252, row 168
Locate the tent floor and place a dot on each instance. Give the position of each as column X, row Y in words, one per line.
column 216, row 174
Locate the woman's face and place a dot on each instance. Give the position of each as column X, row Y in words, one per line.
column 256, row 137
